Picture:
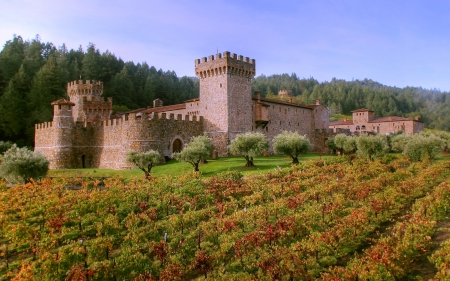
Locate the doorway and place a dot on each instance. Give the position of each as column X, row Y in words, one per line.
column 177, row 145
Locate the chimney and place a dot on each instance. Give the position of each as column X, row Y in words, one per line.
column 258, row 96
column 416, row 118
column 345, row 118
column 317, row 102
column 157, row 103
column 290, row 100
column 390, row 118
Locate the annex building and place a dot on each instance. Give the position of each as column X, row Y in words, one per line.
column 364, row 121
column 84, row 133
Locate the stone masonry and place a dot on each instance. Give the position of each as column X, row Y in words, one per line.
column 364, row 121
column 83, row 132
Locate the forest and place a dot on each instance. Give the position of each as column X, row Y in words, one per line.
column 34, row 73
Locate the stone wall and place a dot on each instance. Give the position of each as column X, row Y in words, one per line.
column 105, row 144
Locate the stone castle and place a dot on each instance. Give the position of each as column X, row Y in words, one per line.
column 84, row 133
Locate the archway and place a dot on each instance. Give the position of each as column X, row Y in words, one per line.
column 177, row 145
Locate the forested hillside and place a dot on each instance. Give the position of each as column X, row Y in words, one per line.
column 34, row 73
column 340, row 96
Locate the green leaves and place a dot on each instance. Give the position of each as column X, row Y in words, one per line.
column 195, row 151
column 249, row 145
column 20, row 165
column 291, row 144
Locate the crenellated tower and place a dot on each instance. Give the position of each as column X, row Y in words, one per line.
column 89, row 103
column 225, row 96
column 63, row 133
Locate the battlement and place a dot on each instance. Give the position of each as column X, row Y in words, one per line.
column 225, row 64
column 284, row 93
column 85, row 88
column 44, row 125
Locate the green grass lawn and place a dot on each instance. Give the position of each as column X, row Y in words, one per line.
column 213, row 167
column 175, row 168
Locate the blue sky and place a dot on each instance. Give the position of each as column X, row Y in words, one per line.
column 397, row 43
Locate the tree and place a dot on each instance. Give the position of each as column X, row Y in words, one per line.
column 195, row 151
column 339, row 141
column 350, row 144
column 4, row 146
column 372, row 147
column 249, row 145
column 291, row 144
column 144, row 161
column 20, row 165
column 399, row 142
column 420, row 147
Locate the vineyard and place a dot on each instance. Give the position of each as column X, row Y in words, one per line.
column 337, row 218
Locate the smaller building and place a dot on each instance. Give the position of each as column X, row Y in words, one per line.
column 364, row 121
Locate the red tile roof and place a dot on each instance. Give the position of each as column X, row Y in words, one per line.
column 282, row 102
column 390, row 119
column 341, row 122
column 362, row 110
column 164, row 108
column 62, row 101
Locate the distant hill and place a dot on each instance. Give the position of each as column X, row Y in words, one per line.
column 34, row 73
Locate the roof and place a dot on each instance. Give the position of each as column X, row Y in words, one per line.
column 341, row 122
column 362, row 110
column 164, row 108
column 391, row 119
column 281, row 102
column 62, row 101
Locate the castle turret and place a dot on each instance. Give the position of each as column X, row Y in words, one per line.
column 62, row 133
column 89, row 103
column 225, row 96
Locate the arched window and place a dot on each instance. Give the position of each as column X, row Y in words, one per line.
column 363, row 128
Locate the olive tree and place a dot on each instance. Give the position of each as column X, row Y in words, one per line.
column 339, row 141
column 195, row 151
column 399, row 142
column 21, row 165
column 372, row 147
column 249, row 145
column 292, row 144
column 350, row 144
column 420, row 147
column 144, row 161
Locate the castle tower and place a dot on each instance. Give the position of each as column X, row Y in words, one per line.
column 63, row 126
column 225, row 96
column 89, row 103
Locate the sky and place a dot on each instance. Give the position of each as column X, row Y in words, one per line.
column 397, row 43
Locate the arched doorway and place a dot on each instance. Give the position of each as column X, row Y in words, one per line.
column 177, row 145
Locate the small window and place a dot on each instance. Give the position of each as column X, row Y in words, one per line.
column 59, row 106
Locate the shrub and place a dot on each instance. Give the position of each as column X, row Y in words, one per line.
column 20, row 165
column 420, row 147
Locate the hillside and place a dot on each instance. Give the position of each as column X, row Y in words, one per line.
column 34, row 73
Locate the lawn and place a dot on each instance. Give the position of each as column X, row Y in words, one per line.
column 175, row 168
column 213, row 167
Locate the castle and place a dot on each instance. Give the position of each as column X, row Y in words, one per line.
column 364, row 121
column 84, row 133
